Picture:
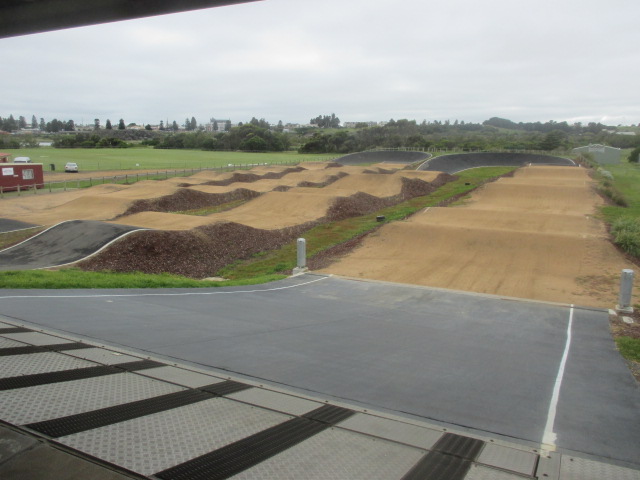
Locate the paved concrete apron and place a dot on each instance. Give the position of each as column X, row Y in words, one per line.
column 530, row 371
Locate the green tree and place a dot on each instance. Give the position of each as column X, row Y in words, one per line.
column 121, row 124
column 10, row 124
column 193, row 124
column 108, row 125
column 227, row 125
column 34, row 121
column 552, row 140
column 255, row 144
column 147, row 127
column 42, row 125
column 634, row 156
column 96, row 124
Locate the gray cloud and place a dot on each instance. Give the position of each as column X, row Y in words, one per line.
column 364, row 60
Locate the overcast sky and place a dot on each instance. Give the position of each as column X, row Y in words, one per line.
column 291, row 60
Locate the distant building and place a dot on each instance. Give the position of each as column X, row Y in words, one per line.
column 357, row 124
column 4, row 157
column 222, row 124
column 601, row 153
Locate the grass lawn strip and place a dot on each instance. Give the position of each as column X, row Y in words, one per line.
column 76, row 278
column 622, row 180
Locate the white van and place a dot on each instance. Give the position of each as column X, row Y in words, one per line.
column 22, row 160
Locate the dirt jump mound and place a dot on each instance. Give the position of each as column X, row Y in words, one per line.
column 533, row 235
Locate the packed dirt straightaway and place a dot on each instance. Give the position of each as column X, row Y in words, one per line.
column 533, row 235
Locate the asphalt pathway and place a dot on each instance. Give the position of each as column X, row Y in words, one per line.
column 529, row 371
column 463, row 161
column 383, row 156
column 8, row 225
column 61, row 244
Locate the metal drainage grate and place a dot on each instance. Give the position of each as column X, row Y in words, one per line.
column 225, row 388
column 75, row 374
column 248, row 452
column 329, row 414
column 60, row 427
column 243, row 454
column 14, row 330
column 450, row 459
column 28, row 349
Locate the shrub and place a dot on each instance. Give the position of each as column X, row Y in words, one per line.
column 626, row 234
column 614, row 195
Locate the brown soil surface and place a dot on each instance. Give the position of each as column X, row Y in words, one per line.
column 530, row 236
column 287, row 196
column 101, row 202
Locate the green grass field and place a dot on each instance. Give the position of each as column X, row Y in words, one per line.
column 626, row 179
column 145, row 158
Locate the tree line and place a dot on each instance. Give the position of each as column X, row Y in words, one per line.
column 490, row 135
column 247, row 137
column 260, row 135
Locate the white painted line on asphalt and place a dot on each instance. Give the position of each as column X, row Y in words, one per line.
column 29, row 297
column 549, row 438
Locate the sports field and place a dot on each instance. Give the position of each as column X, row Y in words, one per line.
column 140, row 158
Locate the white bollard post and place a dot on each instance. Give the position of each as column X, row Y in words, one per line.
column 626, row 285
column 302, row 257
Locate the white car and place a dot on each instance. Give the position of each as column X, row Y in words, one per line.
column 71, row 167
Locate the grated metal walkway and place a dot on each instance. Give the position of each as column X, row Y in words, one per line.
column 143, row 418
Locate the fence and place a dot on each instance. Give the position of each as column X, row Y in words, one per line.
column 49, row 187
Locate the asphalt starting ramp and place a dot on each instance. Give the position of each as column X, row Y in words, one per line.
column 87, row 411
column 64, row 243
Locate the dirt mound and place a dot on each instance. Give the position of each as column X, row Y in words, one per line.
column 536, row 222
column 198, row 253
column 513, row 196
column 276, row 210
column 164, row 221
column 185, row 199
column 253, row 177
column 363, row 203
column 517, row 237
column 328, row 181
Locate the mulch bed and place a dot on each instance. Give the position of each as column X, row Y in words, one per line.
column 185, row 199
column 197, row 253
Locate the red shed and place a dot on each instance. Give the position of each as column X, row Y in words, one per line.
column 4, row 157
column 23, row 175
